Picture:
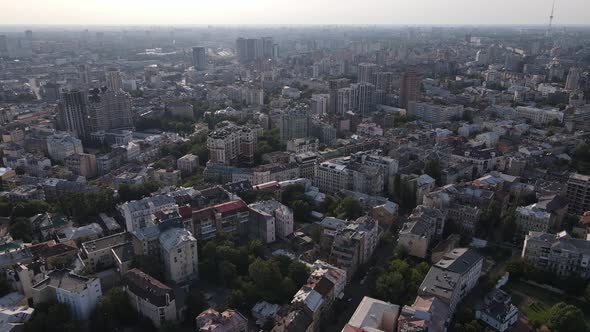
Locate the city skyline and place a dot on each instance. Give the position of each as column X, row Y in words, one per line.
column 306, row 12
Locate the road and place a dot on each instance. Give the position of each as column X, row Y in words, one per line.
column 356, row 290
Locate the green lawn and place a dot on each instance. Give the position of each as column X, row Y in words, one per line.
column 536, row 311
column 540, row 300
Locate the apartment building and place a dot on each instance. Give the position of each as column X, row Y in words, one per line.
column 230, row 218
column 578, row 194
column 149, row 297
column 187, row 164
column 80, row 294
column 272, row 213
column 531, row 218
column 558, row 253
column 138, row 213
column 232, row 144
column 451, row 278
column 230, row 320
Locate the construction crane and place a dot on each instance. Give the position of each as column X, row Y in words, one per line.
column 549, row 31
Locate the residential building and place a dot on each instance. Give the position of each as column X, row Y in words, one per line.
column 538, row 115
column 302, row 145
column 80, row 294
column 531, row 218
column 373, row 315
column 137, row 214
column 409, row 88
column 179, row 255
column 232, row 144
column 187, row 164
column 320, row 104
column 149, row 297
column 451, row 278
column 294, row 123
column 200, row 58
column 558, row 253
column 83, row 164
column 427, row 313
column 72, row 113
column 231, row 218
column 331, row 177
column 230, row 320
column 497, row 310
column 282, row 215
column 62, row 145
column 578, row 194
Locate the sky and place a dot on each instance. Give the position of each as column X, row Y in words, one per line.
column 316, row 12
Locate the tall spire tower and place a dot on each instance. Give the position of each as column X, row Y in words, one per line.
column 549, row 28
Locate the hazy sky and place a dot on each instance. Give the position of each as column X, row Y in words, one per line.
column 452, row 12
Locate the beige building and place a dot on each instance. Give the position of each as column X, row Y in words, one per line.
column 187, row 164
column 149, row 297
column 558, row 253
column 179, row 254
column 230, row 320
column 373, row 315
column 83, row 164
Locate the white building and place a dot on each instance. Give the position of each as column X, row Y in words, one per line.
column 373, row 315
column 497, row 310
column 531, row 218
column 80, row 294
column 62, row 145
column 558, row 253
column 538, row 115
column 319, row 103
column 302, row 145
column 451, row 278
column 138, row 213
column 179, row 254
column 283, row 216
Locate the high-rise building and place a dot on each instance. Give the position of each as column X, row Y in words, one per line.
column 241, row 50
column 267, row 47
column 344, row 101
column 319, row 103
column 366, row 72
column 364, row 98
column 3, row 45
column 72, row 113
column 200, row 58
column 29, row 35
column 578, row 194
column 573, row 79
column 83, row 75
column 408, row 88
column 294, row 123
column 384, row 81
column 108, row 109
column 334, row 86
column 113, row 79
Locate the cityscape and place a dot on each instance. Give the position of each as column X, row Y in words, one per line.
column 355, row 176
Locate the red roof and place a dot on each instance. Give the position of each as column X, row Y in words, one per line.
column 231, row 207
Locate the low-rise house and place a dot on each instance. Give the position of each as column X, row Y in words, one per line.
column 264, row 312
column 373, row 315
column 230, row 320
column 427, row 313
column 149, row 297
column 497, row 310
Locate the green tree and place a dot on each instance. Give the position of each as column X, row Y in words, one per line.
column 51, row 317
column 301, row 210
column 566, row 317
column 195, row 304
column 113, row 311
column 21, row 229
column 348, row 208
column 391, row 287
column 298, row 272
column 267, row 278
